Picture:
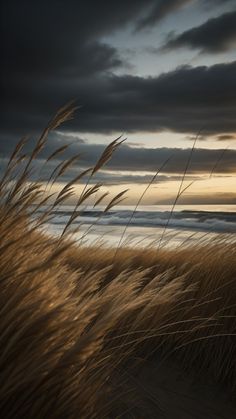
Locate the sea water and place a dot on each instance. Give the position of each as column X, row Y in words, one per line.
column 149, row 225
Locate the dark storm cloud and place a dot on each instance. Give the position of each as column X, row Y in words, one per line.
column 108, row 177
column 150, row 159
column 183, row 100
column 210, row 3
column 48, row 42
column 66, row 45
column 128, row 158
column 61, row 39
column 129, row 164
column 48, row 48
column 54, row 51
column 216, row 35
column 161, row 9
column 141, row 159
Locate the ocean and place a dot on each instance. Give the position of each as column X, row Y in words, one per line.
column 149, row 225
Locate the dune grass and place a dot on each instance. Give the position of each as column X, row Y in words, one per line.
column 89, row 332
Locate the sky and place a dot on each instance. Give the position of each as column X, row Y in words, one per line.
column 157, row 72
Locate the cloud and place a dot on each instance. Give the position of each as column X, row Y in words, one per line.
column 198, row 199
column 163, row 8
column 53, row 52
column 58, row 39
column 214, row 36
column 226, row 137
column 160, row 10
column 54, row 40
column 184, row 100
column 210, row 3
column 110, row 178
column 150, row 159
column 139, row 160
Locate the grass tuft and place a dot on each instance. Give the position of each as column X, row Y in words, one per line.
column 146, row 334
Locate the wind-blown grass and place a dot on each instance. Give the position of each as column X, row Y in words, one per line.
column 84, row 334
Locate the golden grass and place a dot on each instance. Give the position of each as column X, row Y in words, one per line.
column 82, row 332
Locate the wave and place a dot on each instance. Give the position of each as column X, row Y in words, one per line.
column 187, row 219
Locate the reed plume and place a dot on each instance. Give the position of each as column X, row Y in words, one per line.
column 84, row 335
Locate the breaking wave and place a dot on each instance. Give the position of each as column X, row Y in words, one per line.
column 214, row 221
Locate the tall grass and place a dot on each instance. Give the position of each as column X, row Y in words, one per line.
column 87, row 335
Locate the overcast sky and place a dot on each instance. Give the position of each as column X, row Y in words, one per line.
column 157, row 71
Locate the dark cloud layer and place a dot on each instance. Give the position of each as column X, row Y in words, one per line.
column 216, row 35
column 62, row 38
column 184, row 100
column 150, row 159
column 130, row 158
column 129, row 164
column 133, row 159
column 162, row 8
column 54, row 51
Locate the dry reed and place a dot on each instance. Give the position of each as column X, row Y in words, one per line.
column 81, row 333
